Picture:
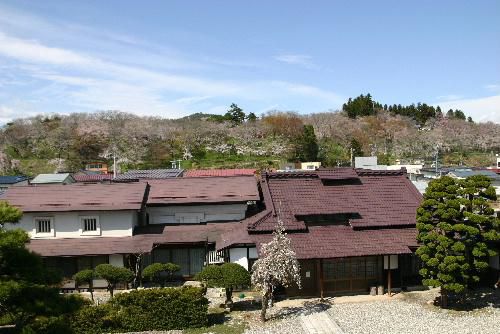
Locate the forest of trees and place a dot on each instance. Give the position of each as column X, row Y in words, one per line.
column 240, row 139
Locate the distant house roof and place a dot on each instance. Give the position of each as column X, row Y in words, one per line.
column 188, row 190
column 373, row 199
column 77, row 197
column 51, row 178
column 7, row 179
column 92, row 177
column 219, row 172
column 466, row 172
column 150, row 174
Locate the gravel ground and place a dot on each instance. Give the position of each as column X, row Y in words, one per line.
column 412, row 316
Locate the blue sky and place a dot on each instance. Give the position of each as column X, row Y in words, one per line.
column 173, row 58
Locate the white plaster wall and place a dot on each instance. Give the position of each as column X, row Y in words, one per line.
column 206, row 213
column 67, row 224
column 239, row 256
column 116, row 260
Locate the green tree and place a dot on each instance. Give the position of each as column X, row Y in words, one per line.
column 29, row 296
column 228, row 276
column 160, row 272
column 456, row 229
column 9, row 213
column 86, row 276
column 459, row 114
column 360, row 106
column 251, row 117
column 113, row 275
column 307, row 146
column 235, row 114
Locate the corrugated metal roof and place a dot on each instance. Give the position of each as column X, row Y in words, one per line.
column 12, row 179
column 465, row 173
column 150, row 174
column 50, row 178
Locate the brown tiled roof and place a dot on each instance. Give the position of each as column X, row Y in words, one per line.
column 91, row 246
column 343, row 241
column 219, row 172
column 77, row 197
column 196, row 233
column 188, row 190
column 373, row 199
column 92, row 177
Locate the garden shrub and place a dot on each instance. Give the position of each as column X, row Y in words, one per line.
column 145, row 310
column 94, row 319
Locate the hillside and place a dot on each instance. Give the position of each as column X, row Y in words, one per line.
column 44, row 144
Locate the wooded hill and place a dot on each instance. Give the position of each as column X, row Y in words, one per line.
column 236, row 139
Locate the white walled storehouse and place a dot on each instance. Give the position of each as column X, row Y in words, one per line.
column 78, row 226
column 189, row 214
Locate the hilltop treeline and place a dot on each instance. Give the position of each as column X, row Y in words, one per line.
column 238, row 139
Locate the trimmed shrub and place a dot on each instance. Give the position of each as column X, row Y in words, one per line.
column 95, row 319
column 113, row 275
column 211, row 275
column 153, row 272
column 162, row 309
column 145, row 310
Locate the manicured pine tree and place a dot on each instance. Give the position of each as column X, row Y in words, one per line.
column 456, row 229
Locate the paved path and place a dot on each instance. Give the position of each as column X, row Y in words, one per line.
column 319, row 323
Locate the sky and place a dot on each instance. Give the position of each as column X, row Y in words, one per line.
column 175, row 58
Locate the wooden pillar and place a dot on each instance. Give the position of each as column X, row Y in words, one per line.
column 389, row 278
column 319, row 271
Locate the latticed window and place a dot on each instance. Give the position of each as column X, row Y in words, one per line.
column 89, row 224
column 43, row 225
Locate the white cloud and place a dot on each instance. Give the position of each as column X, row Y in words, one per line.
column 450, row 97
column 493, row 87
column 480, row 109
column 297, row 59
column 90, row 82
column 33, row 51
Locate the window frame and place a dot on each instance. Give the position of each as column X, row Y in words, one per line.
column 36, row 233
column 96, row 232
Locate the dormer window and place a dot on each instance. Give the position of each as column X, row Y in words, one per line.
column 44, row 227
column 89, row 225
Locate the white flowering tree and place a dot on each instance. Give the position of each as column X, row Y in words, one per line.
column 277, row 266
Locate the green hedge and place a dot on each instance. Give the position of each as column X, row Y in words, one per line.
column 145, row 310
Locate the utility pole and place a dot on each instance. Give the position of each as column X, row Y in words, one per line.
column 436, row 161
column 352, row 158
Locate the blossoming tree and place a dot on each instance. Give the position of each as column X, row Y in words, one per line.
column 277, row 266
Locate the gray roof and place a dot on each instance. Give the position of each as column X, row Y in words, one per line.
column 150, row 174
column 51, row 178
column 466, row 172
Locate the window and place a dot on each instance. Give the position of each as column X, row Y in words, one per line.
column 43, row 225
column 90, row 225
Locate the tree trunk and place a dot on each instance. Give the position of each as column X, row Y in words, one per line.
column 444, row 298
column 91, row 290
column 229, row 297
column 265, row 300
column 111, row 288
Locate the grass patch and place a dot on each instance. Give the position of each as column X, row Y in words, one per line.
column 236, row 328
column 219, row 324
